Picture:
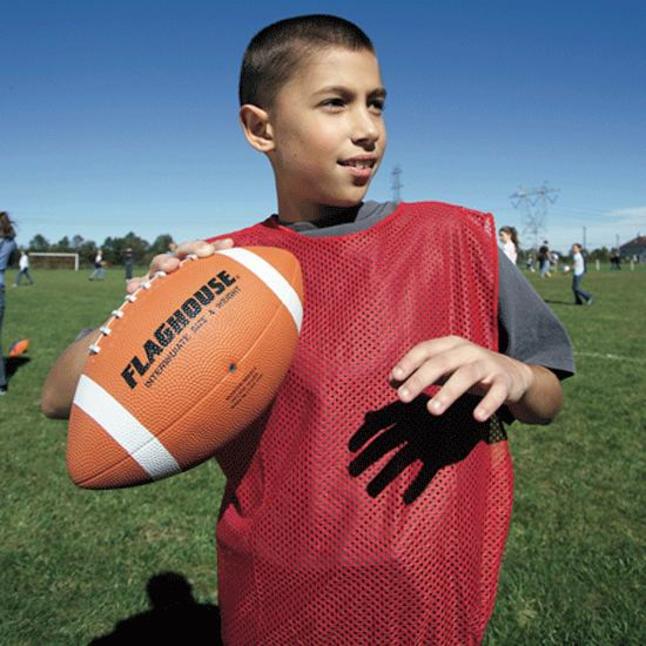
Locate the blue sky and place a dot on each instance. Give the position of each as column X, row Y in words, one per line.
column 122, row 115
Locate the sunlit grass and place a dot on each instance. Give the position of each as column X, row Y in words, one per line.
column 75, row 563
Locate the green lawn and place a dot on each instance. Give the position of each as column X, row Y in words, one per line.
column 74, row 563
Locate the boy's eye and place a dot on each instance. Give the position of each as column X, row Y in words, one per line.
column 378, row 105
column 334, row 102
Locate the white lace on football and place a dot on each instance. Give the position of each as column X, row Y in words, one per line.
column 130, row 298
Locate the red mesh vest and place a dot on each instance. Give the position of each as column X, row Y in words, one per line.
column 349, row 517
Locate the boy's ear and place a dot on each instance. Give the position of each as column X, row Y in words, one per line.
column 257, row 128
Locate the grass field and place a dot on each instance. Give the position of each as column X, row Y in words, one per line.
column 74, row 563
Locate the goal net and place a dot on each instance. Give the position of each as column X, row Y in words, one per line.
column 52, row 260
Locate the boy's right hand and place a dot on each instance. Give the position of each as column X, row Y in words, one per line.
column 169, row 263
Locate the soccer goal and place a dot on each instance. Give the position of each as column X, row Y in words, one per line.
column 52, row 260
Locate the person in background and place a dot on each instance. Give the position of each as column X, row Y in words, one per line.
column 544, row 260
column 509, row 240
column 23, row 265
column 129, row 262
column 99, row 271
column 578, row 269
column 7, row 248
column 615, row 260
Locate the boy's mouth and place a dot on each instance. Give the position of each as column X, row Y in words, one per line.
column 360, row 162
column 360, row 168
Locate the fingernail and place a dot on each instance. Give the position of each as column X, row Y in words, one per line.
column 398, row 373
column 481, row 414
column 436, row 405
column 404, row 394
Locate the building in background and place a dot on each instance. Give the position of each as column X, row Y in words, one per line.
column 635, row 248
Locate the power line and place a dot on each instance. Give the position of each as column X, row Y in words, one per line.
column 534, row 202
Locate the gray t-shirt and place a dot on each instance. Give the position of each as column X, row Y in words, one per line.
column 528, row 330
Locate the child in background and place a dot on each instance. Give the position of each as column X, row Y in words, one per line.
column 371, row 502
column 578, row 271
column 23, row 266
column 544, row 260
column 99, row 270
column 509, row 240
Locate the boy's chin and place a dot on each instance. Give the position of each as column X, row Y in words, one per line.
column 350, row 201
column 344, row 204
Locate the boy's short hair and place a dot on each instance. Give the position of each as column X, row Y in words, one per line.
column 276, row 51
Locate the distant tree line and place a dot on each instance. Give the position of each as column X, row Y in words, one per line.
column 113, row 248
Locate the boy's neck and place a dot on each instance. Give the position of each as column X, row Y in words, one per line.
column 323, row 216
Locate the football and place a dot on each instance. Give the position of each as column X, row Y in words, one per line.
column 187, row 362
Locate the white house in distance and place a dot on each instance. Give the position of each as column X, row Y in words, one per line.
column 636, row 247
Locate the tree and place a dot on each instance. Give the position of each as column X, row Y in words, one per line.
column 114, row 248
column 63, row 245
column 87, row 252
column 39, row 243
column 77, row 241
column 603, row 255
column 161, row 244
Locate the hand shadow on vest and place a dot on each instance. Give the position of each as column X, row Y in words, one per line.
column 174, row 617
column 418, row 436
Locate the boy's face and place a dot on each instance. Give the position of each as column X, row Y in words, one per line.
column 328, row 132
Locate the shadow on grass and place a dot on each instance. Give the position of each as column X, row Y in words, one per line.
column 173, row 617
column 551, row 301
column 13, row 364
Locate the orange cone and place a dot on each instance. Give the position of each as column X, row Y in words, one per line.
column 19, row 347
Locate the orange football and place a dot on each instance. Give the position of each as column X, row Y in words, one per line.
column 185, row 364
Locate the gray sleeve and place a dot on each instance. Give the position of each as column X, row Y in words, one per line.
column 528, row 329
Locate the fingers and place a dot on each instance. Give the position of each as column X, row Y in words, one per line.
column 199, row 248
column 169, row 263
column 134, row 284
column 461, row 367
column 492, row 401
column 415, row 357
column 462, row 380
column 162, row 262
column 432, row 361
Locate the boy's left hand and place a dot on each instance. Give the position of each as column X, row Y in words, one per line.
column 461, row 366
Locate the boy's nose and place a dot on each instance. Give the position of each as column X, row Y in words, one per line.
column 365, row 129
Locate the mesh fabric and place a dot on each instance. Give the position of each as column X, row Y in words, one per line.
column 350, row 517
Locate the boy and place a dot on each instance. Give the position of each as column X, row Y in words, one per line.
column 369, row 504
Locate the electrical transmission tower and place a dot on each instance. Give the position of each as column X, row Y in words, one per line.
column 534, row 203
column 396, row 184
